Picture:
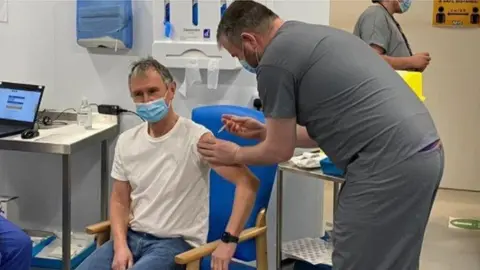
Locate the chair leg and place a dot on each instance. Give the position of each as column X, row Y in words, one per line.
column 262, row 260
column 194, row 265
column 261, row 242
column 103, row 237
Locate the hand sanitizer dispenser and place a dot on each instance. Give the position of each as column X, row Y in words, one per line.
column 105, row 24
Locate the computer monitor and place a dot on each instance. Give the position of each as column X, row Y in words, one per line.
column 19, row 103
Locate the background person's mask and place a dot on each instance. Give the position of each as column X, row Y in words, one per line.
column 405, row 5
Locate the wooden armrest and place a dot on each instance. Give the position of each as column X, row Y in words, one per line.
column 207, row 249
column 98, row 228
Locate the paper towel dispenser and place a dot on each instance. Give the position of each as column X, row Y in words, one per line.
column 105, row 24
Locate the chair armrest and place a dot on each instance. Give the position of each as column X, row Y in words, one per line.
column 98, row 228
column 207, row 249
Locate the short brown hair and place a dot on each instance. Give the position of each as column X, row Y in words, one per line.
column 244, row 15
column 143, row 65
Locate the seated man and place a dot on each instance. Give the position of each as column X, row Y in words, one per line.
column 15, row 247
column 160, row 199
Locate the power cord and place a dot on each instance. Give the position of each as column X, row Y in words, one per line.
column 102, row 108
column 115, row 110
column 48, row 121
column 62, row 112
column 134, row 113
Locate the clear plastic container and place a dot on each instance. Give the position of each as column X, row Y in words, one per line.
column 84, row 114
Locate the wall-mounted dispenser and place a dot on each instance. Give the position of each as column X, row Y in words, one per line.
column 105, row 24
column 185, row 30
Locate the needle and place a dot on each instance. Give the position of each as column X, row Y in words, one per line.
column 222, row 128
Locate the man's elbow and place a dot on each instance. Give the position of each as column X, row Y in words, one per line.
column 282, row 154
column 247, row 181
column 251, row 183
column 287, row 154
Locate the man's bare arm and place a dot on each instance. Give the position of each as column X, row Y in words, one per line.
column 119, row 212
column 278, row 146
column 246, row 186
column 397, row 63
column 303, row 139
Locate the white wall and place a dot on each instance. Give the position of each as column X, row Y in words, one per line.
column 450, row 83
column 38, row 46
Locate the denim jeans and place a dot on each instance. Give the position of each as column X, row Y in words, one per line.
column 15, row 247
column 149, row 252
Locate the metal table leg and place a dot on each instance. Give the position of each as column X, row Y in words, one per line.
column 66, row 211
column 104, row 181
column 336, row 190
column 279, row 219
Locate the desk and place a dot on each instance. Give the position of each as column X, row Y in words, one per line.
column 314, row 173
column 66, row 140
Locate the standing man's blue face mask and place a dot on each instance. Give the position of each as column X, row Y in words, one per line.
column 153, row 111
column 405, row 5
column 246, row 65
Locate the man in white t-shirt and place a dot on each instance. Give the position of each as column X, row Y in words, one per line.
column 160, row 199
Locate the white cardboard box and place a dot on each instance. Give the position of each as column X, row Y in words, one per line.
column 6, row 202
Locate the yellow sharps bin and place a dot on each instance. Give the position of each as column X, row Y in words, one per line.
column 415, row 81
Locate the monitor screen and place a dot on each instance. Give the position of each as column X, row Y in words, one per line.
column 19, row 105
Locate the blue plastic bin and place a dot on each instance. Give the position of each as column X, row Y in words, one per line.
column 57, row 264
column 330, row 169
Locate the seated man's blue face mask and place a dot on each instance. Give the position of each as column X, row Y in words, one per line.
column 153, row 111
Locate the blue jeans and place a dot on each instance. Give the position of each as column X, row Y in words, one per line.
column 149, row 252
column 15, row 247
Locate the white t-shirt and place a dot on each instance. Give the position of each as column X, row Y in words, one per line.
column 170, row 183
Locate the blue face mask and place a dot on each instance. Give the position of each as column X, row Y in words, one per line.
column 153, row 111
column 247, row 67
column 405, row 5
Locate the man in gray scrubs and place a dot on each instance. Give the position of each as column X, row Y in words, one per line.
column 379, row 29
column 323, row 87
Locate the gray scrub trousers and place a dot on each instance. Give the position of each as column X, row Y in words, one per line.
column 371, row 124
column 380, row 220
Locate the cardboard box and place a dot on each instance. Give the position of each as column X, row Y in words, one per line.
column 7, row 206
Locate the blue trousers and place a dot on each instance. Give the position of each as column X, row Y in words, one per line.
column 15, row 247
column 149, row 252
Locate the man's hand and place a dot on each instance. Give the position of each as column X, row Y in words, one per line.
column 123, row 259
column 222, row 255
column 244, row 127
column 217, row 151
column 420, row 61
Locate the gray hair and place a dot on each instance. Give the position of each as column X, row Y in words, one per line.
column 244, row 15
column 140, row 67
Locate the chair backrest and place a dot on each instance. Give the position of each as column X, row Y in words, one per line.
column 222, row 191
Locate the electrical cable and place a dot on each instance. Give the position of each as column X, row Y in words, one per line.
column 62, row 112
column 47, row 121
column 132, row 112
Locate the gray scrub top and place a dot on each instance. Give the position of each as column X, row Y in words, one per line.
column 351, row 101
column 376, row 26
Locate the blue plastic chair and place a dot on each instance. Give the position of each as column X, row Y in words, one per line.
column 253, row 246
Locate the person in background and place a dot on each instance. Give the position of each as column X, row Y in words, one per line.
column 15, row 247
column 379, row 29
column 159, row 206
column 323, row 87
